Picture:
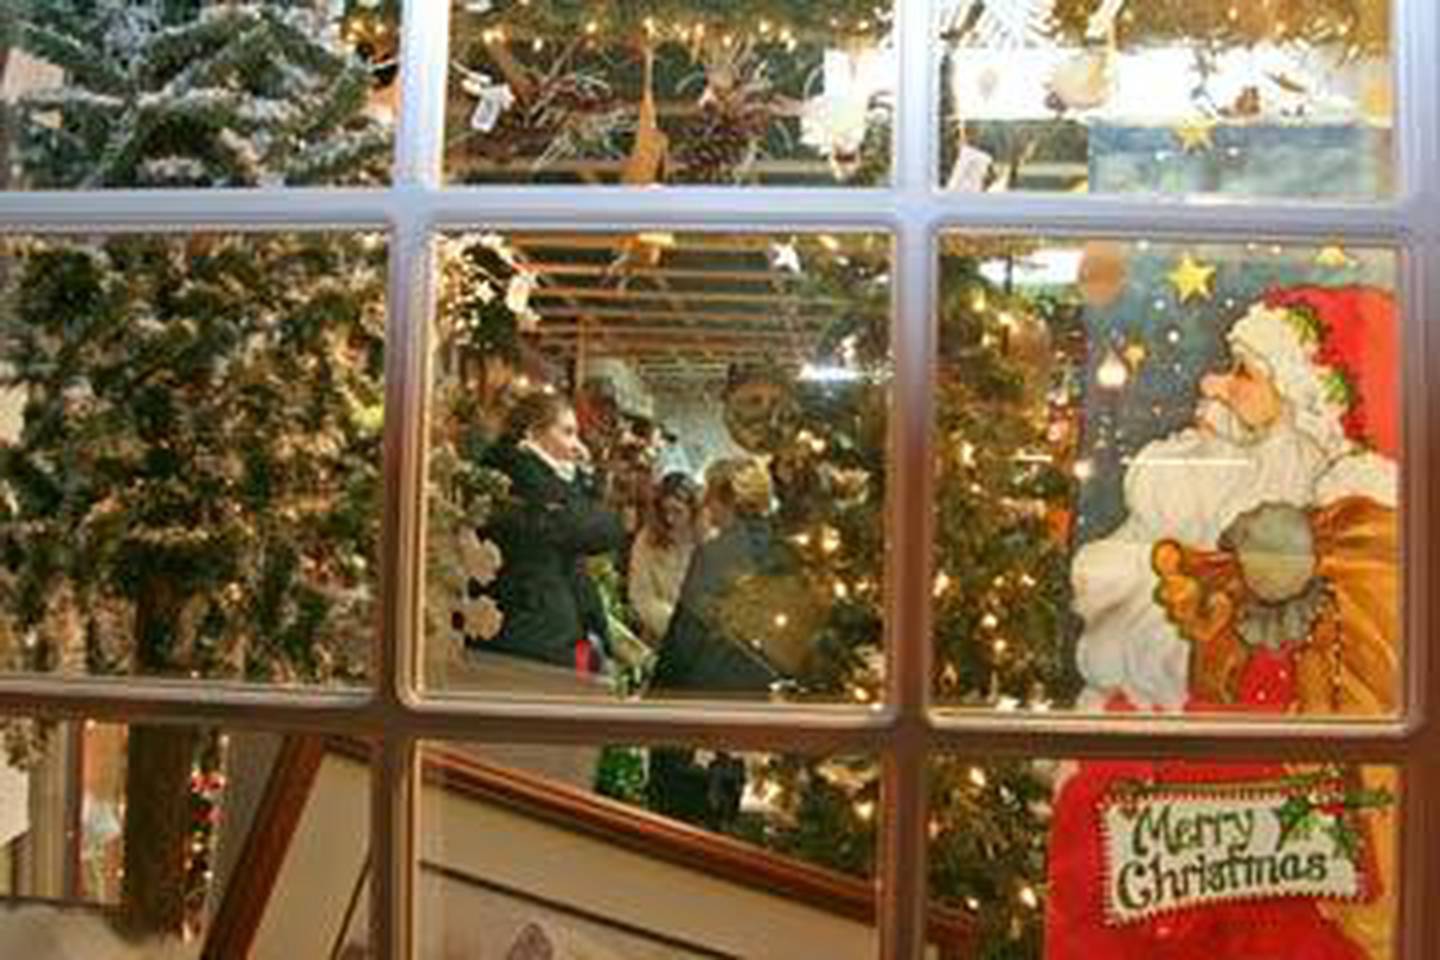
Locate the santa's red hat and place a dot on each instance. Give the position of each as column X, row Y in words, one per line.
column 1333, row 354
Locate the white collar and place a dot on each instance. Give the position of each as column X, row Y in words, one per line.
column 564, row 470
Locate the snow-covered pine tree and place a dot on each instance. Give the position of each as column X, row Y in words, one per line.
column 194, row 93
column 195, row 489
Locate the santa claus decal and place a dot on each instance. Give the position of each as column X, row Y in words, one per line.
column 1256, row 570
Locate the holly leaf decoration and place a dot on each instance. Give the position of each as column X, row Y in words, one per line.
column 1297, row 818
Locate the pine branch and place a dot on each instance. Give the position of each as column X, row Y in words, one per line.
column 85, row 64
column 351, row 152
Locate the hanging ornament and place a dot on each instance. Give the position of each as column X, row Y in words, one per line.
column 736, row 110
column 1104, row 273
column 647, row 156
column 835, row 122
column 1084, row 82
column 1087, row 80
column 1000, row 24
column 785, row 256
column 492, row 99
column 1191, row 279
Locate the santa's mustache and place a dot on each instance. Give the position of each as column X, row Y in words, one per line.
column 1216, row 418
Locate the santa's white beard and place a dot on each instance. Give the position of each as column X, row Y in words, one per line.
column 1187, row 487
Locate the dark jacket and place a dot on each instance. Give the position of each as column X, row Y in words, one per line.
column 544, row 536
column 696, row 654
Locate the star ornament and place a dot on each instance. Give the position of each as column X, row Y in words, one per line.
column 785, row 256
column 1192, row 279
column 1196, row 134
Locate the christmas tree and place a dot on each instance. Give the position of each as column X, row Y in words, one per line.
column 1006, row 429
column 194, row 491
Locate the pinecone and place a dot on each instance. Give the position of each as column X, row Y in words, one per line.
column 722, row 139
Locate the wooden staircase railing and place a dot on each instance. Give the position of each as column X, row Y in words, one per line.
column 233, row 930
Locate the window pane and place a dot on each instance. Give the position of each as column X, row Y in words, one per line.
column 645, row 853
column 190, row 94
column 1281, row 98
column 1070, row 860
column 1168, row 477
column 657, row 465
column 618, row 91
column 192, row 449
column 239, row 841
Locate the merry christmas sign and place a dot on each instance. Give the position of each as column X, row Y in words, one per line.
column 1166, row 849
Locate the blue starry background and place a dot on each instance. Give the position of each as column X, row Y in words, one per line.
column 1296, row 161
column 1181, row 343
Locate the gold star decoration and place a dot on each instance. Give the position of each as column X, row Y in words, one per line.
column 1191, row 279
column 1334, row 257
column 1135, row 354
column 1196, row 134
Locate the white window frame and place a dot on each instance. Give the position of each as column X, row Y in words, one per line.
column 905, row 731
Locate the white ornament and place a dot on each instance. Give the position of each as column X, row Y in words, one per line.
column 492, row 98
column 479, row 6
column 482, row 558
column 785, row 256
column 835, row 122
column 483, row 617
column 1085, row 81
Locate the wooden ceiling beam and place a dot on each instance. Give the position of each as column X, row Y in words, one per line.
column 695, row 296
column 555, row 269
column 683, row 318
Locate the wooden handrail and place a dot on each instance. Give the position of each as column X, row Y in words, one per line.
column 232, row 933
column 657, row 837
column 247, row 894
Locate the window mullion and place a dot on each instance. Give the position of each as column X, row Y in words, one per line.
column 419, row 152
column 903, row 887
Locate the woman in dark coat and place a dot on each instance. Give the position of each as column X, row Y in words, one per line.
column 552, row 609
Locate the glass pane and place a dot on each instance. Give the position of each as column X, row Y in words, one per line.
column 1168, row 477
column 1136, row 859
column 620, row 91
column 657, row 465
column 192, row 94
column 250, row 844
column 191, row 471
column 1279, row 99
column 645, row 853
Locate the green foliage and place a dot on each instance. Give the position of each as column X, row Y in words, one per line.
column 620, row 775
column 560, row 18
column 199, row 416
column 162, row 95
column 195, row 488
